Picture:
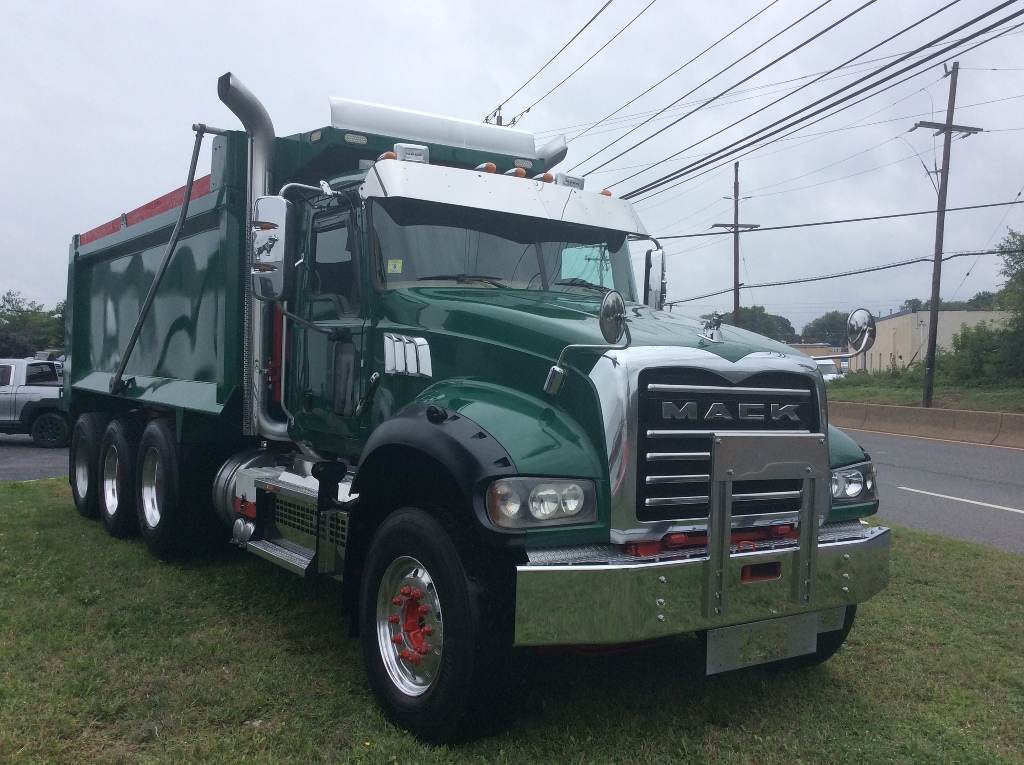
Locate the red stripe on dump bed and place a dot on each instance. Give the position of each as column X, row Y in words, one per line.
column 171, row 201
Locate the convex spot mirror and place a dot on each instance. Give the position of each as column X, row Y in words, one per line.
column 272, row 235
column 612, row 317
column 860, row 329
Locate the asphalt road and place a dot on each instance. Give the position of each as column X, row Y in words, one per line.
column 958, row 490
column 21, row 460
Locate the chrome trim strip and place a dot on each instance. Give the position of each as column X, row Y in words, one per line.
column 683, row 433
column 766, row 495
column 659, row 456
column 673, row 501
column 698, row 478
column 665, row 388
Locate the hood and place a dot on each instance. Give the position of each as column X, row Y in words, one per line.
column 546, row 322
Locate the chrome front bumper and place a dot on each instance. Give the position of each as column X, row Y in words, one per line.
column 618, row 601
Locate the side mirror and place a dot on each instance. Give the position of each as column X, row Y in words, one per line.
column 860, row 329
column 654, row 290
column 272, row 235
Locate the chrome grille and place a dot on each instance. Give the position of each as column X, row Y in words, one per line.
column 680, row 409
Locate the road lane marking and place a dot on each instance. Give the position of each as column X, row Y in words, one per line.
column 932, row 438
column 961, row 499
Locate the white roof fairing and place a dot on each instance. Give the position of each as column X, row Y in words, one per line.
column 365, row 117
column 500, row 193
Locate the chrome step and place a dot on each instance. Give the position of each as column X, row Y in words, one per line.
column 286, row 554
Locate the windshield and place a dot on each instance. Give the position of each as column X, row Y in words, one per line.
column 429, row 244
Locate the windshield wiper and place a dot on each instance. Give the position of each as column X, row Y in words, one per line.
column 460, row 278
column 576, row 282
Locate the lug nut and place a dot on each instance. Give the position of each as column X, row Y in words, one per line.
column 397, row 639
column 425, row 649
column 428, row 630
column 423, row 610
column 406, row 590
column 396, row 601
column 416, row 594
column 393, row 619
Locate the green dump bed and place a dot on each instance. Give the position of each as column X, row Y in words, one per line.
column 189, row 353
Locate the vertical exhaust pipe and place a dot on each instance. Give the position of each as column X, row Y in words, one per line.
column 256, row 345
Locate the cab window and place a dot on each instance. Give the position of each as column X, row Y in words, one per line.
column 334, row 276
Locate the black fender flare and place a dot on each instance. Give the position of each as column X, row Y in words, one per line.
column 471, row 455
column 33, row 409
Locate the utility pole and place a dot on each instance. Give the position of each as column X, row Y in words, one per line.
column 947, row 128
column 736, row 226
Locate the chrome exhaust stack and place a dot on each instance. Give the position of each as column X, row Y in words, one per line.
column 256, row 346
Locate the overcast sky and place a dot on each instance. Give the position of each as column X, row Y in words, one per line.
column 99, row 98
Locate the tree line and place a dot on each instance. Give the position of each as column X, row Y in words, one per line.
column 26, row 326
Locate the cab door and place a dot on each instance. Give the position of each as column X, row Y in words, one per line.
column 326, row 370
column 6, row 392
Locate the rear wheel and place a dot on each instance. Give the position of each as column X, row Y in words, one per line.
column 50, row 430
column 118, row 453
column 420, row 622
column 83, row 462
column 158, row 490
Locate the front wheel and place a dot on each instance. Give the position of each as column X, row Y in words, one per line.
column 50, row 430
column 420, row 623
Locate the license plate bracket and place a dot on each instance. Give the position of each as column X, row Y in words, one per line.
column 746, row 645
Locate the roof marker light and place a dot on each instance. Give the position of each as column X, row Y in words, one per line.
column 486, row 167
column 606, row 193
column 518, row 172
column 544, row 177
column 315, row 136
column 355, row 138
column 386, row 155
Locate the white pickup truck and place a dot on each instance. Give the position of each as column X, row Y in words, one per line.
column 30, row 393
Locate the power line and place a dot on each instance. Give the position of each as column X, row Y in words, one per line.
column 856, row 272
column 848, row 220
column 562, row 82
column 727, row 90
column 496, row 113
column 673, row 74
column 805, row 85
column 758, row 137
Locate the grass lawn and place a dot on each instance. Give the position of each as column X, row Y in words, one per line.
column 883, row 388
column 107, row 655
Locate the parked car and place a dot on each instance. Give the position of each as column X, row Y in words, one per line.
column 30, row 393
column 828, row 369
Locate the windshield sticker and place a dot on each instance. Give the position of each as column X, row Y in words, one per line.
column 394, row 266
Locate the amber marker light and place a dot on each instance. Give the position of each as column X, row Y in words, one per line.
column 518, row 172
column 544, row 177
column 606, row 193
column 487, row 167
column 386, row 155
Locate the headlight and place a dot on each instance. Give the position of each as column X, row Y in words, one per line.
column 518, row 503
column 856, row 482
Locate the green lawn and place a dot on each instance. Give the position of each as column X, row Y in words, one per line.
column 884, row 388
column 107, row 655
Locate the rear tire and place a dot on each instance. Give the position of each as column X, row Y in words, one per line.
column 83, row 462
column 426, row 672
column 50, row 430
column 158, row 490
column 118, row 454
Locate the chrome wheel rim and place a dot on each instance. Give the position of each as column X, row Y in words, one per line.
column 409, row 628
column 152, row 487
column 110, row 483
column 82, row 468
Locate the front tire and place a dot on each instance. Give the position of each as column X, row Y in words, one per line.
column 50, row 430
column 420, row 623
column 118, row 453
column 83, row 462
column 158, row 490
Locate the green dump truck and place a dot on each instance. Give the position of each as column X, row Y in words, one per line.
column 400, row 351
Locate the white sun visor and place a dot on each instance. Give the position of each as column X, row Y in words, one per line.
column 500, row 193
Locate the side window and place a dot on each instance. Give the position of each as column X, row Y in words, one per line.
column 5, row 375
column 334, row 274
column 40, row 373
